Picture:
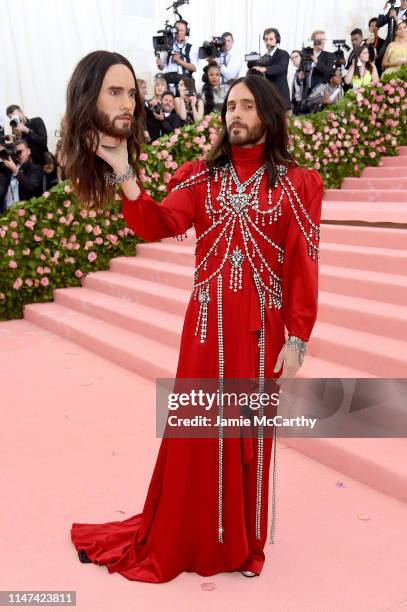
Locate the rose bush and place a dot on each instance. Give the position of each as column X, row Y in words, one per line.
column 51, row 241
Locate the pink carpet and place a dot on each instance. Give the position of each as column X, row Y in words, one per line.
column 79, row 408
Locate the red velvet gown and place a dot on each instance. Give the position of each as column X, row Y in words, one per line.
column 178, row 528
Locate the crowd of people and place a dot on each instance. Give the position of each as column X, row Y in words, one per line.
column 27, row 168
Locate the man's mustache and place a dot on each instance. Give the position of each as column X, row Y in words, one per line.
column 237, row 124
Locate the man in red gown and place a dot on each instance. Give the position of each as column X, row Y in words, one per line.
column 256, row 215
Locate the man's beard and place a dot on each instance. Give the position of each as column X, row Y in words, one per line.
column 109, row 127
column 246, row 135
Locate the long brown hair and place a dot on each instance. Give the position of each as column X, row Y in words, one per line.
column 270, row 108
column 81, row 165
column 368, row 64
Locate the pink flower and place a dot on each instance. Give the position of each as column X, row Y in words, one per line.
column 96, row 230
column 12, row 264
column 42, row 257
column 88, row 228
column 29, row 282
column 99, row 240
column 45, row 194
column 28, row 224
column 21, row 212
column 39, row 270
column 92, row 214
column 67, row 203
column 14, row 235
column 164, row 154
column 17, row 283
column 37, row 238
column 78, row 273
column 26, row 251
column 143, row 157
column 200, row 128
column 88, row 245
column 62, row 220
column 83, row 213
column 67, row 189
column 113, row 239
column 44, row 281
column 92, row 256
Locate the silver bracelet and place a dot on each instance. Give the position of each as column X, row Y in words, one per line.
column 299, row 345
column 111, row 178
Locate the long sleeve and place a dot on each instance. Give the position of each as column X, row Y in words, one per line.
column 300, row 271
column 30, row 183
column 38, row 132
column 151, row 220
column 280, row 66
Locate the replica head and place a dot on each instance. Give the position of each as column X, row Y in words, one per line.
column 103, row 105
column 253, row 112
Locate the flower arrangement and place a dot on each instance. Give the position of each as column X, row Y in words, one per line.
column 51, row 241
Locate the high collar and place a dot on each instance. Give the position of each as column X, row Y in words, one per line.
column 248, row 155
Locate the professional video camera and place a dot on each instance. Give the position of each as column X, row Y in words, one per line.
column 9, row 151
column 211, row 48
column 340, row 60
column 166, row 37
column 254, row 59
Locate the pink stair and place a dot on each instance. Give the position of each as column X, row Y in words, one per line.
column 133, row 313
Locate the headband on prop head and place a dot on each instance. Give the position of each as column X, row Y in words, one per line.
column 89, row 131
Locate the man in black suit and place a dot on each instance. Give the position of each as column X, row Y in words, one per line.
column 322, row 61
column 167, row 120
column 27, row 174
column 376, row 42
column 391, row 19
column 274, row 64
column 33, row 131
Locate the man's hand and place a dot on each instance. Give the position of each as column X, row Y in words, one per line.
column 176, row 58
column 326, row 98
column 301, row 75
column 289, row 357
column 159, row 116
column 21, row 128
column 159, row 64
column 260, row 68
column 393, row 13
column 10, row 165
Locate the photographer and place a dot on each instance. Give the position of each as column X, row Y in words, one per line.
column 167, row 120
column 394, row 15
column 213, row 92
column 5, row 173
column 230, row 62
column 377, row 43
column 362, row 71
column 326, row 93
column 182, row 60
column 32, row 130
column 322, row 61
column 50, row 172
column 27, row 174
column 187, row 104
column 274, row 64
column 298, row 82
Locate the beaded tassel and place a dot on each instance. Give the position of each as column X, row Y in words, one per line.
column 203, row 313
column 221, row 390
column 261, row 411
column 236, row 270
column 273, row 497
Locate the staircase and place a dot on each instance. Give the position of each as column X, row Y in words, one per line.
column 133, row 313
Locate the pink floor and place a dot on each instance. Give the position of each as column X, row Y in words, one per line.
column 79, row 439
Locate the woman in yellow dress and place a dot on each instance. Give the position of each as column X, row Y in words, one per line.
column 362, row 71
column 396, row 52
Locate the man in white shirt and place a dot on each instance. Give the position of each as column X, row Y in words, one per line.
column 394, row 15
column 230, row 62
column 183, row 59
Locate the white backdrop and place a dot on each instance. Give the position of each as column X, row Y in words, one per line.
column 42, row 40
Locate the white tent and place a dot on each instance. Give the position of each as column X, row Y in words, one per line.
column 42, row 40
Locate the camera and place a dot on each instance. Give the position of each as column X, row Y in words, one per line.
column 156, row 108
column 254, row 59
column 9, row 152
column 14, row 122
column 340, row 44
column 211, row 48
column 166, row 36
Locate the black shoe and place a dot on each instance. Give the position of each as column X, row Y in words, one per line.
column 83, row 557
